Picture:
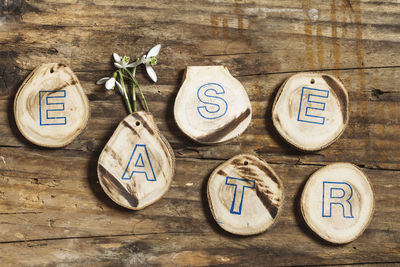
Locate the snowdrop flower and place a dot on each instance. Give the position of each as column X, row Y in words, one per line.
column 122, row 62
column 150, row 60
column 123, row 72
column 109, row 82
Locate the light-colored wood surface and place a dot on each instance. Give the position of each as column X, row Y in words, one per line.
column 50, row 108
column 311, row 110
column 337, row 202
column 245, row 195
column 212, row 106
column 137, row 165
column 54, row 211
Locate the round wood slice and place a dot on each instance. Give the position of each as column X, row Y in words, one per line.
column 212, row 106
column 137, row 164
column 245, row 195
column 51, row 109
column 311, row 111
column 337, row 202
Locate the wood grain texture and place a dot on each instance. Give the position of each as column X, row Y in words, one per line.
column 211, row 106
column 137, row 165
column 50, row 108
column 52, row 210
column 245, row 195
column 337, row 202
column 311, row 110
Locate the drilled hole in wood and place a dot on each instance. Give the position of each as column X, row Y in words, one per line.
column 51, row 70
column 246, row 163
column 312, row 81
column 137, row 123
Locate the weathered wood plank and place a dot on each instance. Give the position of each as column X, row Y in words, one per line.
column 188, row 250
column 249, row 38
column 52, row 210
column 63, row 200
column 372, row 137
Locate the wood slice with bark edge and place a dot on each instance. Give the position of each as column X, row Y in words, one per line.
column 344, row 222
column 261, row 200
column 212, row 106
column 133, row 186
column 311, row 129
column 51, row 86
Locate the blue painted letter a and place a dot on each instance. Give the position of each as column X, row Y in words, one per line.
column 142, row 164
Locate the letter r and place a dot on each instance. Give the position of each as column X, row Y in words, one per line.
column 338, row 194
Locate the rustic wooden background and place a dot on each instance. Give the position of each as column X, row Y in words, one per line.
column 53, row 211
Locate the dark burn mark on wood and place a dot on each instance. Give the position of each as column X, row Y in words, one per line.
column 272, row 209
column 72, row 82
column 237, row 162
column 131, row 188
column 148, row 127
column 262, row 191
column 127, row 125
column 222, row 173
column 247, row 172
column 337, row 88
column 144, row 123
column 114, row 155
column 112, row 185
column 226, row 129
column 269, row 173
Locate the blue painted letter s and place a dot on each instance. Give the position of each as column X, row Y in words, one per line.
column 213, row 105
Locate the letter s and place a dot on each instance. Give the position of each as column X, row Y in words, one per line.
column 214, row 106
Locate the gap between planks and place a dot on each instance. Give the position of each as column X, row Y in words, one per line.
column 98, row 236
column 173, row 233
column 255, row 74
column 210, row 159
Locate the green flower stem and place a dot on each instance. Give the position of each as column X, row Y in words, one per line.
column 125, row 95
column 140, row 90
column 134, row 90
column 134, row 96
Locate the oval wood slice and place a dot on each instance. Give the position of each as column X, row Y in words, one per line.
column 212, row 106
column 245, row 195
column 50, row 108
column 137, row 164
column 310, row 110
column 337, row 202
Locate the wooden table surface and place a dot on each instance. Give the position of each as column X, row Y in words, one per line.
column 52, row 209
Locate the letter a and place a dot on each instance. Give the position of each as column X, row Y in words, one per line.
column 339, row 194
column 140, row 157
